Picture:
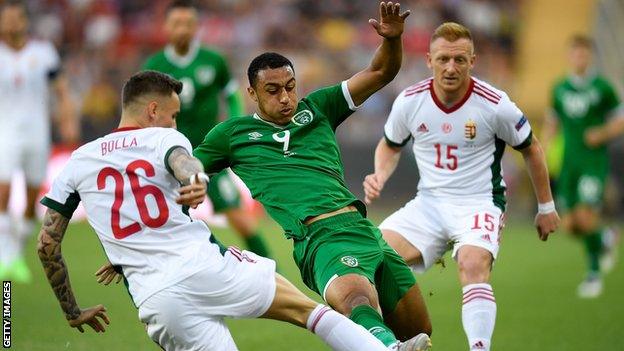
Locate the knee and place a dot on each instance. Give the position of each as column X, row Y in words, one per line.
column 352, row 300
column 475, row 269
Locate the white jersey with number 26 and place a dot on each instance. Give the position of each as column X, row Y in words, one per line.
column 458, row 149
column 129, row 196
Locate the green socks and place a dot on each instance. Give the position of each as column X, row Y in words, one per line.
column 256, row 244
column 371, row 320
column 593, row 246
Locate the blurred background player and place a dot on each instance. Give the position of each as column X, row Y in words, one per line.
column 31, row 69
column 206, row 78
column 460, row 126
column 586, row 108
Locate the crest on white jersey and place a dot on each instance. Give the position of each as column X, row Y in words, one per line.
column 470, row 129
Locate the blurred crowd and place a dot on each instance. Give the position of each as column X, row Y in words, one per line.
column 102, row 42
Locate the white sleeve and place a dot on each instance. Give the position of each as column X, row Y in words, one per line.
column 63, row 196
column 511, row 124
column 53, row 59
column 170, row 140
column 396, row 131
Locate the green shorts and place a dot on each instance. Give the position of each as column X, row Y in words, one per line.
column 577, row 186
column 223, row 192
column 349, row 243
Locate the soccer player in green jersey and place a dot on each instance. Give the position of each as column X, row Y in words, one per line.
column 205, row 76
column 587, row 109
column 288, row 156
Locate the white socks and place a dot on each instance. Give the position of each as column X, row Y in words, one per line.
column 340, row 333
column 23, row 230
column 13, row 237
column 479, row 315
column 8, row 245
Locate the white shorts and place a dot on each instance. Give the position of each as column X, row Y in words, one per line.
column 26, row 154
column 189, row 315
column 435, row 225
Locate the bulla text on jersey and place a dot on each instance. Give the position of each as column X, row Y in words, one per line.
column 116, row 144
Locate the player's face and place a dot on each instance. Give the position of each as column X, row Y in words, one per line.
column 275, row 92
column 181, row 26
column 13, row 21
column 580, row 59
column 451, row 62
column 164, row 113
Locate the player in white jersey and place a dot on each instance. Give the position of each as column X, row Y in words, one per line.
column 181, row 280
column 30, row 68
column 460, row 126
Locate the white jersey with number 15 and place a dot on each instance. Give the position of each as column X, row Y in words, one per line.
column 459, row 148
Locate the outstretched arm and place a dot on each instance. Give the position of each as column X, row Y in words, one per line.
column 549, row 130
column 547, row 219
column 387, row 59
column 189, row 172
column 67, row 118
column 603, row 134
column 49, row 250
column 386, row 159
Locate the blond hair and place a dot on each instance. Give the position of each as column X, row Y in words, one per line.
column 451, row 31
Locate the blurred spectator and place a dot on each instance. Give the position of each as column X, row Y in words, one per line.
column 328, row 40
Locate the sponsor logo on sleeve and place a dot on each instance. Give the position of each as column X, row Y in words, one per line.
column 521, row 123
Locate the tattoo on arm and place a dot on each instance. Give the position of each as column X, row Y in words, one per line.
column 184, row 165
column 49, row 250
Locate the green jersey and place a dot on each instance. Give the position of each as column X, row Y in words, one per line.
column 295, row 170
column 204, row 75
column 579, row 105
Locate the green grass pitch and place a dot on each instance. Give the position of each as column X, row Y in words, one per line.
column 534, row 283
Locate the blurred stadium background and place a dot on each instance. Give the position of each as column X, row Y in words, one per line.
column 521, row 48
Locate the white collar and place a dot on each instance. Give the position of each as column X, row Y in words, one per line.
column 179, row 60
column 256, row 116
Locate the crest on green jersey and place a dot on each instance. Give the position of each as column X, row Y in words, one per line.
column 349, row 261
column 303, row 117
column 205, row 74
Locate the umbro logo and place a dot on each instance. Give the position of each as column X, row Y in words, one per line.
column 486, row 237
column 422, row 128
column 254, row 136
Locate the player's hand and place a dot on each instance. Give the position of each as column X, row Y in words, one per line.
column 373, row 184
column 546, row 223
column 192, row 195
column 390, row 24
column 106, row 274
column 90, row 317
column 594, row 137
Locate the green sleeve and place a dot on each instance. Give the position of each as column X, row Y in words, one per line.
column 334, row 102
column 223, row 73
column 611, row 100
column 214, row 151
column 554, row 106
column 148, row 64
column 235, row 104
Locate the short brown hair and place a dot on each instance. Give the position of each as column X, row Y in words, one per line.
column 451, row 31
column 149, row 82
column 581, row 40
